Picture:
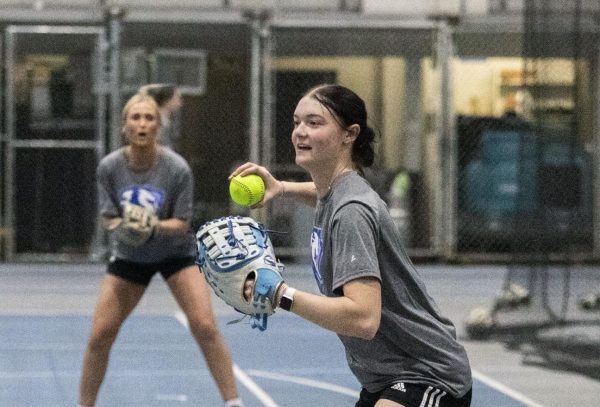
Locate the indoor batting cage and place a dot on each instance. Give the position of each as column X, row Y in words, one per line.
column 527, row 187
column 486, row 116
column 525, row 166
column 240, row 66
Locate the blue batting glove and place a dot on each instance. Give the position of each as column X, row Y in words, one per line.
column 265, row 287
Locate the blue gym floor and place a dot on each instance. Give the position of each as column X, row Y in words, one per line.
column 45, row 317
column 155, row 362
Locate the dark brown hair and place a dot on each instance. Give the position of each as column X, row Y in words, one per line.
column 160, row 92
column 348, row 109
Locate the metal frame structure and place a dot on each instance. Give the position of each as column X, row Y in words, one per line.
column 12, row 143
column 596, row 152
column 133, row 63
column 263, row 25
column 445, row 232
column 195, row 55
column 6, row 233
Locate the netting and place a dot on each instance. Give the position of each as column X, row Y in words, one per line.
column 525, row 178
column 539, row 175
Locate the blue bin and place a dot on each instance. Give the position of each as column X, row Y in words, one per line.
column 501, row 146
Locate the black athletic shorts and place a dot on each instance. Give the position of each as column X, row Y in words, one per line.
column 142, row 273
column 414, row 395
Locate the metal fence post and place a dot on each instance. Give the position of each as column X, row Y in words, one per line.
column 115, row 16
column 596, row 156
column 255, row 76
column 267, row 94
column 260, row 144
column 445, row 230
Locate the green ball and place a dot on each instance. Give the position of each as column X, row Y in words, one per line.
column 248, row 190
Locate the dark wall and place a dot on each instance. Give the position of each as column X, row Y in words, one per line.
column 215, row 132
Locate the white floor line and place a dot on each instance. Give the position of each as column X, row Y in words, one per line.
column 505, row 389
column 259, row 393
column 305, row 382
column 253, row 387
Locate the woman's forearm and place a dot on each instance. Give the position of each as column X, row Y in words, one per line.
column 306, row 192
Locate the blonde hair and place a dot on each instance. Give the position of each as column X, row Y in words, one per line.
column 134, row 100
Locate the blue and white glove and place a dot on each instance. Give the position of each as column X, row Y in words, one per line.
column 233, row 250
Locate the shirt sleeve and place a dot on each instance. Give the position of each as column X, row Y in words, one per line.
column 106, row 203
column 354, row 245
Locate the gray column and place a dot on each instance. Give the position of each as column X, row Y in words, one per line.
column 115, row 16
column 413, row 137
column 268, row 150
column 255, row 88
column 446, row 201
column 260, row 148
column 595, row 72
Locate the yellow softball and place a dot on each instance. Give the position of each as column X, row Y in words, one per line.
column 248, row 190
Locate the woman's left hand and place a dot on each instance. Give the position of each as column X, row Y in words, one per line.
column 249, row 287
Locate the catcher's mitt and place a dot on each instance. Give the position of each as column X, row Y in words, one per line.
column 137, row 225
column 232, row 250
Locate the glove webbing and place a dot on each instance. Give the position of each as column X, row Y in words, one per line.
column 218, row 245
column 235, row 247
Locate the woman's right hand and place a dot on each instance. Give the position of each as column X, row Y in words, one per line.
column 273, row 186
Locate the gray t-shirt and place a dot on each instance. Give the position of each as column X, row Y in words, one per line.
column 167, row 187
column 353, row 237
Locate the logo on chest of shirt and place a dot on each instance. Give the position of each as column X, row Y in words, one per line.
column 143, row 195
column 316, row 245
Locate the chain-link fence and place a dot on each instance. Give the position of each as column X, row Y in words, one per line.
column 525, row 181
column 487, row 132
column 525, row 128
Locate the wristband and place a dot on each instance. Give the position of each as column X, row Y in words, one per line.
column 287, row 299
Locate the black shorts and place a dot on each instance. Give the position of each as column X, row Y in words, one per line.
column 142, row 273
column 413, row 395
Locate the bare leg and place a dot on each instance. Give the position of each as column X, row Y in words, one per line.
column 193, row 296
column 387, row 403
column 116, row 300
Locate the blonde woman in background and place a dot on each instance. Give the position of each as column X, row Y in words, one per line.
column 156, row 178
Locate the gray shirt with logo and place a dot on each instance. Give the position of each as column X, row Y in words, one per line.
column 353, row 237
column 167, row 188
